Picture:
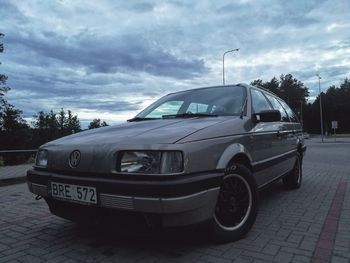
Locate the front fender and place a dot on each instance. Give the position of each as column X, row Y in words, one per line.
column 230, row 152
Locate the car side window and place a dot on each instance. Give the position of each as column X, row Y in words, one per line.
column 259, row 102
column 277, row 106
column 289, row 111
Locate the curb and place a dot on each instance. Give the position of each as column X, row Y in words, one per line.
column 335, row 142
column 12, row 181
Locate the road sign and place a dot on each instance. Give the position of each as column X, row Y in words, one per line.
column 334, row 125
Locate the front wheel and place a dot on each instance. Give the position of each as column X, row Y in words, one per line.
column 237, row 205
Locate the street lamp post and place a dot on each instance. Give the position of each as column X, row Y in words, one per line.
column 223, row 64
column 301, row 114
column 319, row 90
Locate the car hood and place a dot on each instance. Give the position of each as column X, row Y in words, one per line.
column 148, row 131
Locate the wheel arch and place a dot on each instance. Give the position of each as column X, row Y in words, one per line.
column 241, row 158
column 235, row 153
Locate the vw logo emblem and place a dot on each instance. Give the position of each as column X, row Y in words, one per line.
column 74, row 158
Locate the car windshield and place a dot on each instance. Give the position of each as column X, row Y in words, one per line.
column 206, row 102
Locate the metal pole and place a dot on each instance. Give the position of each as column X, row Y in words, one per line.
column 319, row 90
column 223, row 69
column 301, row 115
column 223, row 64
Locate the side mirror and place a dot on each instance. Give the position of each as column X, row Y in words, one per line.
column 267, row 116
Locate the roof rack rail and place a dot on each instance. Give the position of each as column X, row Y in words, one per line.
column 261, row 87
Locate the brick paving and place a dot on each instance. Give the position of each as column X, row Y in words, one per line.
column 325, row 244
column 288, row 228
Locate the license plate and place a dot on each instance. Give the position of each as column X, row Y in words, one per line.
column 71, row 192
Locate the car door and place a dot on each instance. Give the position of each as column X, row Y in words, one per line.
column 286, row 135
column 293, row 127
column 266, row 143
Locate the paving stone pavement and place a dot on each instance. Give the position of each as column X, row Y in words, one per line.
column 287, row 228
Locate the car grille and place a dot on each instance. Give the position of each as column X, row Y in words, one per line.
column 116, row 201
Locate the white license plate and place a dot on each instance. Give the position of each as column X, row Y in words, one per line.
column 85, row 194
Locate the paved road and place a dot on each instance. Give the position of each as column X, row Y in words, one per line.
column 12, row 172
column 291, row 226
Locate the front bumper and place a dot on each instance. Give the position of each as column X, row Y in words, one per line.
column 183, row 200
column 304, row 150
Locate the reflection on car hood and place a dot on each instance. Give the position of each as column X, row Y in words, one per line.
column 149, row 132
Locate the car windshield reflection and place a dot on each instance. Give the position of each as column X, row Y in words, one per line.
column 205, row 102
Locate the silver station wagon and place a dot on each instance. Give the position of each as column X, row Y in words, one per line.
column 195, row 156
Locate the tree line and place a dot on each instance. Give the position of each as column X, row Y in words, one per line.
column 335, row 103
column 16, row 133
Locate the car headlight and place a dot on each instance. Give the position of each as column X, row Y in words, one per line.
column 41, row 158
column 150, row 162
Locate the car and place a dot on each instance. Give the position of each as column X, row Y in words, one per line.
column 194, row 156
column 306, row 135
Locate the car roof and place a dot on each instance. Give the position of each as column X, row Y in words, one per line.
column 210, row 87
column 228, row 86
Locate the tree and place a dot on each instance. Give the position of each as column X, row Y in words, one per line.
column 335, row 107
column 96, row 123
column 73, row 123
column 293, row 91
column 11, row 119
column 272, row 85
column 3, row 88
column 50, row 126
column 288, row 88
column 45, row 128
column 14, row 131
column 15, row 134
column 62, row 121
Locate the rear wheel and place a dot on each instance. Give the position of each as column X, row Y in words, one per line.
column 237, row 205
column 294, row 178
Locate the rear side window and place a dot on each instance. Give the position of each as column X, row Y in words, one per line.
column 277, row 106
column 259, row 102
column 289, row 111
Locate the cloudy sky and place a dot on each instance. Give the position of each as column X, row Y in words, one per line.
column 110, row 59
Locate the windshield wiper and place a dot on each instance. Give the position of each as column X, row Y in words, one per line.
column 141, row 119
column 188, row 115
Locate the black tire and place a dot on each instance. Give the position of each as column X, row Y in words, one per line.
column 237, row 205
column 294, row 178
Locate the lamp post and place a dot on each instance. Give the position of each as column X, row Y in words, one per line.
column 319, row 90
column 301, row 115
column 223, row 64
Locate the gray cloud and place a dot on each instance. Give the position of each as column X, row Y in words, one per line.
column 143, row 7
column 109, row 106
column 121, row 53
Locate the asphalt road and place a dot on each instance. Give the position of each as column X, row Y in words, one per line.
column 292, row 225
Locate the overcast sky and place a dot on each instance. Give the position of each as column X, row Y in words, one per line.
column 110, row 59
